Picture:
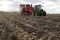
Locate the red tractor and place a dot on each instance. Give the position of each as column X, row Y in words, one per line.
column 26, row 9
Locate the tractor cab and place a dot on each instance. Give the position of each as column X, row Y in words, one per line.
column 39, row 11
column 38, row 7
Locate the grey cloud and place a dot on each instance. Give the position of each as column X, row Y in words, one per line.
column 6, row 0
column 32, row 1
column 9, row 0
column 14, row 5
column 55, row 0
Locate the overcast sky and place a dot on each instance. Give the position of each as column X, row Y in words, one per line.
column 51, row 6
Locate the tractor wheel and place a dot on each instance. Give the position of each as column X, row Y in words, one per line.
column 44, row 13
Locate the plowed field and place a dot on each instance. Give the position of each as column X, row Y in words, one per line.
column 19, row 27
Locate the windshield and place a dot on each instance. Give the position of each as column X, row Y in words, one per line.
column 39, row 7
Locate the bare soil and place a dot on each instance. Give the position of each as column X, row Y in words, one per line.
column 14, row 26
